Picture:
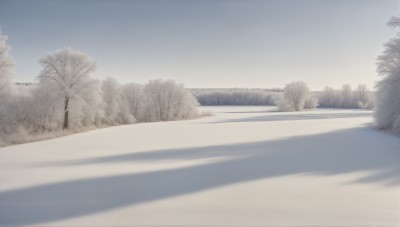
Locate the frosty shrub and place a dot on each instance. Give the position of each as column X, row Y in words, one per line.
column 167, row 100
column 294, row 96
column 117, row 103
column 283, row 105
column 311, row 103
column 365, row 99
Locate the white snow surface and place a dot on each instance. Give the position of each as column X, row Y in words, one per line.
column 244, row 166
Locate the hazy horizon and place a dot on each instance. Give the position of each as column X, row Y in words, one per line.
column 206, row 44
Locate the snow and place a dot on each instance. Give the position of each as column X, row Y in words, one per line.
column 244, row 166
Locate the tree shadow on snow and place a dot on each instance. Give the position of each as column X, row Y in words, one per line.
column 339, row 152
column 302, row 116
column 252, row 111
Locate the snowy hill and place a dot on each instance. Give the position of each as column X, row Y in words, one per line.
column 245, row 166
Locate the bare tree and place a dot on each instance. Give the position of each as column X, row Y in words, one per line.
column 67, row 72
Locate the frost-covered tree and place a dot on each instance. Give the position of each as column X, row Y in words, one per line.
column 86, row 109
column 360, row 98
column 389, row 60
column 111, row 97
column 6, row 72
column 394, row 22
column 347, row 96
column 117, row 103
column 363, row 97
column 294, row 96
column 387, row 111
column 6, row 69
column 167, row 100
column 329, row 97
column 67, row 72
column 133, row 100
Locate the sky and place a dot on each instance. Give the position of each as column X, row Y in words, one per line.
column 206, row 43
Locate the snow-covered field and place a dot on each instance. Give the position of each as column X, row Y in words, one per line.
column 244, row 166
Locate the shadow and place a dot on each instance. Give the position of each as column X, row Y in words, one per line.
column 302, row 116
column 339, row 152
column 250, row 112
column 265, row 109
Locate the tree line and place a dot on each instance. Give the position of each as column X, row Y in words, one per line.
column 67, row 98
column 346, row 97
column 235, row 96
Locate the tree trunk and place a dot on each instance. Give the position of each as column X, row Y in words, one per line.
column 65, row 125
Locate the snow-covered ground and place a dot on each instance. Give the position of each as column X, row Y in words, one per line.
column 244, row 166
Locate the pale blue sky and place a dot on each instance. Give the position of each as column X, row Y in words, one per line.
column 206, row 43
